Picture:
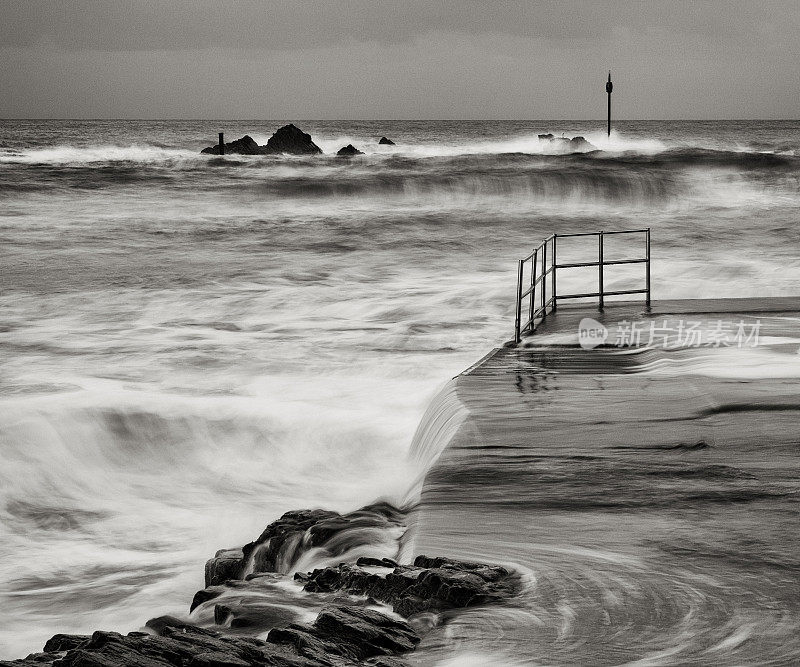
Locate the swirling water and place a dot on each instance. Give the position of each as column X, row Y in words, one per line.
column 192, row 345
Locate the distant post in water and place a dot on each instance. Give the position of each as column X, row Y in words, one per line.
column 222, row 135
column 609, row 88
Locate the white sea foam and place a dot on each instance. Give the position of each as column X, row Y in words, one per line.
column 192, row 352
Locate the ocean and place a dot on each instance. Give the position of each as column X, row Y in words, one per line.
column 192, row 345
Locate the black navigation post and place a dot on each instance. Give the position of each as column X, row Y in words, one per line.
column 609, row 88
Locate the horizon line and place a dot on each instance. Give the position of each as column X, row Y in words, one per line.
column 404, row 120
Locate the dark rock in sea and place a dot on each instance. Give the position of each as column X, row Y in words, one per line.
column 347, row 151
column 366, row 561
column 33, row 660
column 226, row 564
column 580, row 144
column 285, row 539
column 161, row 623
column 206, row 594
column 244, row 146
column 340, row 636
column 253, row 613
column 193, row 647
column 292, row 140
column 276, row 548
column 574, row 145
column 352, row 633
column 434, row 584
column 347, row 630
column 386, row 142
column 63, row 642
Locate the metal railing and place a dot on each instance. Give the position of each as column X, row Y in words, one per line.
column 544, row 262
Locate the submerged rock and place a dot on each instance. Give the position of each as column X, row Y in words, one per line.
column 291, row 139
column 244, row 146
column 581, row 144
column 574, row 145
column 347, row 151
column 386, row 142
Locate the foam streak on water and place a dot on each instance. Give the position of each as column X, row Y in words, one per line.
column 193, row 345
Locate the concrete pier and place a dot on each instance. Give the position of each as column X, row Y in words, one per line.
column 652, row 492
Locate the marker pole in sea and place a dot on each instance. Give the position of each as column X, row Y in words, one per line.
column 609, row 88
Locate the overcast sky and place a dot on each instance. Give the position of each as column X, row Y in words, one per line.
column 348, row 59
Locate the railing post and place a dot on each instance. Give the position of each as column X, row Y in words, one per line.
column 600, row 266
column 647, row 271
column 544, row 281
column 553, row 287
column 517, row 333
column 222, row 143
column 532, row 302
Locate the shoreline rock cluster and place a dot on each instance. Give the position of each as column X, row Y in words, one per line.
column 291, row 140
column 371, row 612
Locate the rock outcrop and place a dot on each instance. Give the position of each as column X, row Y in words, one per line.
column 292, row 140
column 349, row 150
column 574, row 145
column 386, row 142
column 348, row 630
column 288, row 139
column 430, row 584
column 285, row 539
column 341, row 636
column 244, row 146
column 581, row 144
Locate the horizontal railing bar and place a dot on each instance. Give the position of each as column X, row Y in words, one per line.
column 578, row 296
column 617, row 231
column 577, row 265
column 625, row 291
column 605, row 293
column 625, row 261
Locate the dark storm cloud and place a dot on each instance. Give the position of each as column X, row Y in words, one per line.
column 412, row 59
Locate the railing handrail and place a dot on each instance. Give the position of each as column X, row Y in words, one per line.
column 536, row 277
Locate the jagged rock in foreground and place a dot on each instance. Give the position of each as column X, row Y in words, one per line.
column 386, row 142
column 291, row 139
column 347, row 151
column 574, row 145
column 244, row 146
column 341, row 636
column 348, row 630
